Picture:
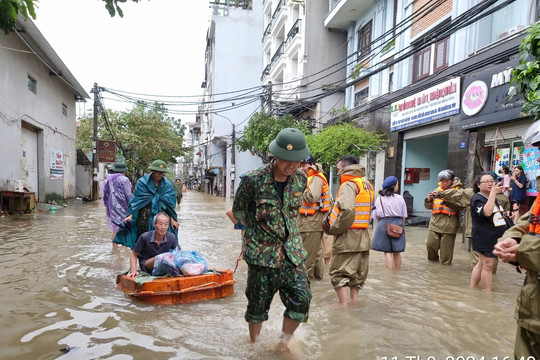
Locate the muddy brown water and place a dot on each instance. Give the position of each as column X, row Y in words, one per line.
column 58, row 292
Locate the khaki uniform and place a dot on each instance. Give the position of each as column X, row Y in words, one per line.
column 463, row 197
column 350, row 253
column 527, row 311
column 442, row 230
column 311, row 227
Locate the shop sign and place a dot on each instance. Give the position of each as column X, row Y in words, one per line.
column 106, row 151
column 502, row 158
column 484, row 98
column 56, row 158
column 437, row 102
column 528, row 158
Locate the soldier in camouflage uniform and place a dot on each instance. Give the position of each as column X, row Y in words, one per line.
column 268, row 202
column 521, row 245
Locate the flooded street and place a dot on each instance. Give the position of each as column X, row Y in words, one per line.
column 58, row 292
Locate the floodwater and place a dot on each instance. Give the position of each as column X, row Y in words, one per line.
column 58, row 293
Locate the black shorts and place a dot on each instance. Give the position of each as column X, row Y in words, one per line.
column 488, row 254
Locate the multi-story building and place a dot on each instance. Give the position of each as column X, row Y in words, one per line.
column 302, row 60
column 434, row 75
column 38, row 96
column 232, row 91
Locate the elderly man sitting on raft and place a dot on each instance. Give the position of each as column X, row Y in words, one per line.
column 152, row 243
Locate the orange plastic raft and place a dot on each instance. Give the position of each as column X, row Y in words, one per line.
column 180, row 289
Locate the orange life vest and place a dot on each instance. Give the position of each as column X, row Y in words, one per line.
column 362, row 202
column 439, row 206
column 323, row 205
column 534, row 219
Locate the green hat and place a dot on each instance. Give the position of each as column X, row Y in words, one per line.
column 159, row 165
column 290, row 145
column 119, row 167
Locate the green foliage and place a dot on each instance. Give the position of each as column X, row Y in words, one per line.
column 142, row 135
column 526, row 76
column 262, row 129
column 355, row 73
column 10, row 8
column 389, row 45
column 335, row 141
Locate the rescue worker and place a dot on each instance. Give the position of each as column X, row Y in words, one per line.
column 521, row 245
column 268, row 203
column 348, row 221
column 316, row 205
column 463, row 197
column 444, row 223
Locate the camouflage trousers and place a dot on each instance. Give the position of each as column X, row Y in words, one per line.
column 294, row 290
column 527, row 344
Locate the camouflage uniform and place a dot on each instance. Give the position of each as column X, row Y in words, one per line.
column 442, row 230
column 527, row 311
column 272, row 246
column 311, row 227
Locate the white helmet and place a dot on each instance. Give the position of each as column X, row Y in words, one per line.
column 446, row 174
column 532, row 135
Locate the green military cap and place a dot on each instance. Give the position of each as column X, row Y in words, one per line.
column 290, row 144
column 158, row 165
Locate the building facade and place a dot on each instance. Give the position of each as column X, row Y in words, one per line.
column 233, row 62
column 434, row 76
column 38, row 98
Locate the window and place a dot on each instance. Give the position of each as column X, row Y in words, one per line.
column 364, row 40
column 64, row 109
column 360, row 95
column 32, row 84
column 421, row 63
column 422, row 59
column 441, row 55
column 391, row 81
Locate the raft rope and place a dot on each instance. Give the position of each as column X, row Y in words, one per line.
column 237, row 262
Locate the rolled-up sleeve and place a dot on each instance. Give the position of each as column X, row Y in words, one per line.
column 241, row 200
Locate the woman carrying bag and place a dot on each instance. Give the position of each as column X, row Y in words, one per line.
column 390, row 210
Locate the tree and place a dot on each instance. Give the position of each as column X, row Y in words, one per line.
column 333, row 142
column 9, row 9
column 262, row 129
column 526, row 76
column 142, row 135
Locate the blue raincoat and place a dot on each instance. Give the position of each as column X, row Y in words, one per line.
column 162, row 199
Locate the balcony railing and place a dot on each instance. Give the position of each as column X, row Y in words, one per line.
column 272, row 19
column 266, row 71
column 295, row 29
column 267, row 31
column 278, row 52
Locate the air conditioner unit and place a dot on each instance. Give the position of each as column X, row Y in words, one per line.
column 510, row 31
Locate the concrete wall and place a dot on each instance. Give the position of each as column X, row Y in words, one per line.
column 237, row 65
column 41, row 112
column 323, row 48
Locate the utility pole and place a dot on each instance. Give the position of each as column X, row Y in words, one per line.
column 233, row 160
column 94, row 146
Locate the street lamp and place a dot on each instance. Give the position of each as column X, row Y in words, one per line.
column 233, row 152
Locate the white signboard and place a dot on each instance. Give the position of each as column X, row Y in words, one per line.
column 57, row 163
column 437, row 102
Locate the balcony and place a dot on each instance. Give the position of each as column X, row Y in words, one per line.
column 268, row 29
column 278, row 52
column 295, row 29
column 266, row 71
column 343, row 12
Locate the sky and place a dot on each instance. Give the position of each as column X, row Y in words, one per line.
column 156, row 48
